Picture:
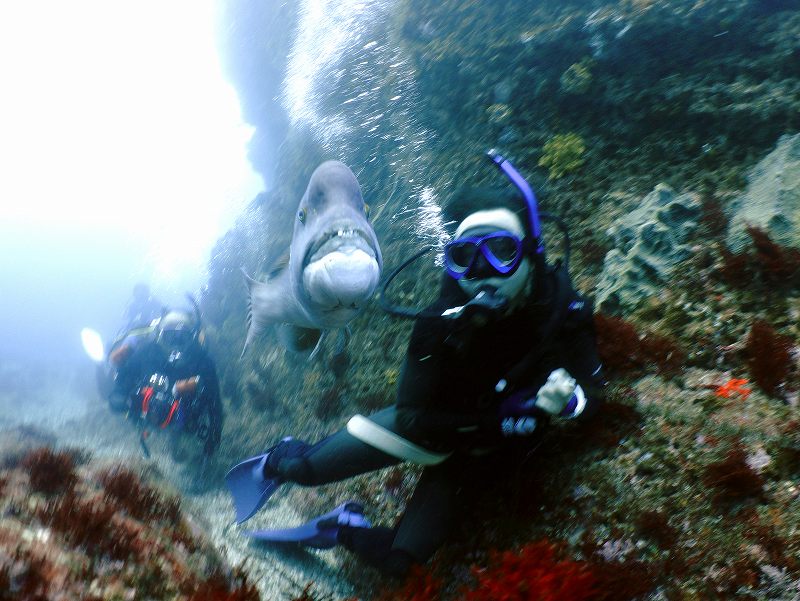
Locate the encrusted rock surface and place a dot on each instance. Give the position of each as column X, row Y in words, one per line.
column 650, row 242
column 772, row 200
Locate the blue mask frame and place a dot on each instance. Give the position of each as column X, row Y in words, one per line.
column 481, row 245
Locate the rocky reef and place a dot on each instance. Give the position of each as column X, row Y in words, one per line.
column 650, row 127
column 771, row 201
column 76, row 529
column 666, row 135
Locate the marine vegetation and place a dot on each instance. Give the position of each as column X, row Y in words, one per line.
column 562, row 154
column 88, row 532
column 684, row 486
column 578, row 77
column 769, row 357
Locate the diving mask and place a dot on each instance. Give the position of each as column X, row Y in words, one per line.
column 502, row 251
column 489, row 250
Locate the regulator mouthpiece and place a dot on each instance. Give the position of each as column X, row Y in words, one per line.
column 486, row 302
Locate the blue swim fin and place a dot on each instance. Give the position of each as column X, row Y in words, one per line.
column 249, row 488
column 319, row 533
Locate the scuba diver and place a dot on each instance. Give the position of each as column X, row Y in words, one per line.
column 508, row 346
column 164, row 377
column 143, row 307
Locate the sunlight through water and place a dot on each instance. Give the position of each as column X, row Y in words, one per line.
column 123, row 154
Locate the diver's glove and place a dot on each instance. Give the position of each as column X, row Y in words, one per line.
column 559, row 396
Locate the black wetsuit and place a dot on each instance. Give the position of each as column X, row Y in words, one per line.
column 148, row 358
column 446, row 401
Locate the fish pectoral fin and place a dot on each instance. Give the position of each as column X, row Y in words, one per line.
column 299, row 339
column 342, row 339
column 317, row 348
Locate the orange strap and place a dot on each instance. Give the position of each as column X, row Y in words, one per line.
column 148, row 394
column 172, row 410
column 119, row 354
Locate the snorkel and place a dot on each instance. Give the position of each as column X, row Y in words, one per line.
column 514, row 176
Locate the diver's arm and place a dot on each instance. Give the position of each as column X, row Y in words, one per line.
column 127, row 362
column 583, row 362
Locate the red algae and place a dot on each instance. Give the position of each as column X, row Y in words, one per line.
column 768, row 357
column 534, row 572
column 50, row 471
column 66, row 536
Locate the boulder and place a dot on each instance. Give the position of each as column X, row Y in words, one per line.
column 649, row 243
column 771, row 201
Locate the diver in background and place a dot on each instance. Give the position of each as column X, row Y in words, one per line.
column 169, row 360
column 143, row 307
column 507, row 346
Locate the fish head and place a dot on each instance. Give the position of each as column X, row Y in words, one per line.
column 335, row 254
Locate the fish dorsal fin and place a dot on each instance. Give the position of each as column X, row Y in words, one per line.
column 269, row 302
column 250, row 283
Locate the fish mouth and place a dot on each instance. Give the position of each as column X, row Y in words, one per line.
column 342, row 308
column 342, row 239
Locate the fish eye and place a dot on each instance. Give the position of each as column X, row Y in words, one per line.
column 366, row 210
column 301, row 215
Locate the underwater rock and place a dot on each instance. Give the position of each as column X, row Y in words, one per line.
column 649, row 242
column 771, row 202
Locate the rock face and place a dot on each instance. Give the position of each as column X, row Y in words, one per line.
column 772, row 199
column 649, row 243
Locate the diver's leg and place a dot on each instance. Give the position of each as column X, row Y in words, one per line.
column 425, row 525
column 334, row 458
column 337, row 457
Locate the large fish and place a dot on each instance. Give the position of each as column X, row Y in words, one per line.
column 333, row 267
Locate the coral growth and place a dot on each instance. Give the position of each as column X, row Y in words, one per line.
column 219, row 587
column 777, row 265
column 655, row 525
column 90, row 524
column 735, row 268
column 622, row 580
column 139, row 500
column 713, row 219
column 663, row 352
column 419, row 585
column 578, row 77
column 77, row 540
column 617, row 343
column 768, row 357
column 774, row 265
